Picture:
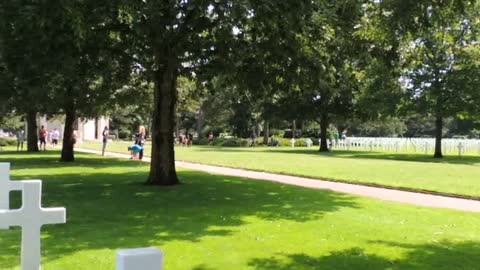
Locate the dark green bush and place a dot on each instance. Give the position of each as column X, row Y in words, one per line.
column 230, row 142
column 235, row 142
column 202, row 141
column 124, row 135
column 8, row 142
column 299, row 142
column 276, row 132
column 239, row 142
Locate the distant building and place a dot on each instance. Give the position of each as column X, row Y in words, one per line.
column 85, row 129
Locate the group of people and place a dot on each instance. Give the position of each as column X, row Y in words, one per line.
column 44, row 136
column 185, row 140
column 136, row 150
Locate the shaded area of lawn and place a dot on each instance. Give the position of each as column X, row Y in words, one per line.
column 115, row 210
column 214, row 222
column 444, row 255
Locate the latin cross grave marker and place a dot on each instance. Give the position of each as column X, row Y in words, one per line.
column 31, row 217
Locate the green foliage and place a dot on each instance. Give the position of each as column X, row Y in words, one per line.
column 388, row 127
column 125, row 135
column 11, row 121
column 235, row 142
column 225, row 142
column 299, row 142
column 7, row 141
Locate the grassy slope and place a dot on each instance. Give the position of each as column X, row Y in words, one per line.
column 453, row 174
column 214, row 222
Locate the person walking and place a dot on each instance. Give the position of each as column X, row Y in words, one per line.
column 253, row 136
column 55, row 136
column 20, row 140
column 140, row 139
column 210, row 138
column 104, row 139
column 190, row 139
column 42, row 137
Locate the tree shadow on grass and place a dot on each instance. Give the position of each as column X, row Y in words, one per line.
column 440, row 256
column 115, row 210
column 51, row 159
column 451, row 159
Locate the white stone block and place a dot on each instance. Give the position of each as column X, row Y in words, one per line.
column 139, row 259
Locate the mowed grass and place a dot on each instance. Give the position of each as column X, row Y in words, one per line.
column 451, row 175
column 215, row 222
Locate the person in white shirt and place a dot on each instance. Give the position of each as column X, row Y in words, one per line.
column 20, row 139
column 55, row 135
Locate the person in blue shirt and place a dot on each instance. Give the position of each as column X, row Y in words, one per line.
column 135, row 150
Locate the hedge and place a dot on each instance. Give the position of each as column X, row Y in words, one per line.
column 7, row 142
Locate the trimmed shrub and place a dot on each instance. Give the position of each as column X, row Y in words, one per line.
column 299, row 142
column 276, row 132
column 124, row 135
column 8, row 142
column 202, row 141
column 235, row 142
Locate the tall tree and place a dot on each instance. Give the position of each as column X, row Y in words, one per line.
column 441, row 73
column 327, row 60
column 24, row 61
column 85, row 43
column 181, row 37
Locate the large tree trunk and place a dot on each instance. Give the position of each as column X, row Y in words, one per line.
column 162, row 165
column 266, row 132
column 68, row 138
column 32, row 135
column 438, row 137
column 323, row 134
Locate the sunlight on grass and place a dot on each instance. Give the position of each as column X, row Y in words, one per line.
column 217, row 222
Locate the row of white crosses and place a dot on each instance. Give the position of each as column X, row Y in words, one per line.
column 417, row 145
column 32, row 216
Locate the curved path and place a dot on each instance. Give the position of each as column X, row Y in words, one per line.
column 420, row 199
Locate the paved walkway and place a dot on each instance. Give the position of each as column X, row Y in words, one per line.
column 414, row 198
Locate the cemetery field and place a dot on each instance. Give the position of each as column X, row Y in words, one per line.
column 215, row 222
column 451, row 175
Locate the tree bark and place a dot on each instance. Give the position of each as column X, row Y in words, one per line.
column 323, row 134
column 294, row 129
column 438, row 137
column 32, row 135
column 266, row 132
column 68, row 138
column 162, row 165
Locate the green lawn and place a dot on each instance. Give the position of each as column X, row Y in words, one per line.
column 451, row 175
column 215, row 222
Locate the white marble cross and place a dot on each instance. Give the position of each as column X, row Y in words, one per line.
column 5, row 187
column 31, row 217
